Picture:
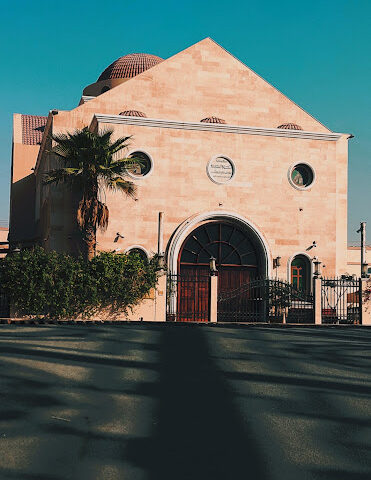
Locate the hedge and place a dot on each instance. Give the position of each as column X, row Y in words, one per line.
column 56, row 285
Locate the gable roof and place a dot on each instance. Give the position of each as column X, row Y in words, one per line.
column 200, row 79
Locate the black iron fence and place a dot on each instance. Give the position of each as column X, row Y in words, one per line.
column 266, row 300
column 341, row 300
column 188, row 298
column 286, row 304
column 243, row 304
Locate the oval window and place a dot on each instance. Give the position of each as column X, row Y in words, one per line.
column 301, row 176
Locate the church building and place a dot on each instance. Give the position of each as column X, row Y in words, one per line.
column 231, row 169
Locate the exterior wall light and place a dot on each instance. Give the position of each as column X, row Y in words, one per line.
column 276, row 262
column 364, row 270
column 317, row 268
column 213, row 270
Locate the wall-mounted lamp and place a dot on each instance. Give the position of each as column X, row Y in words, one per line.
column 317, row 269
column 276, row 262
column 314, row 244
column 118, row 235
column 364, row 270
column 213, row 270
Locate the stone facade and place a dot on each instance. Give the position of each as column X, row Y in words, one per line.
column 354, row 260
column 202, row 81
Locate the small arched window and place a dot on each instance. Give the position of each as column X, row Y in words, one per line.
column 300, row 273
column 139, row 252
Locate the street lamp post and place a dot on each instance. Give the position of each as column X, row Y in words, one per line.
column 364, row 264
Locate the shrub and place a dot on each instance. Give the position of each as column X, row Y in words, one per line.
column 55, row 285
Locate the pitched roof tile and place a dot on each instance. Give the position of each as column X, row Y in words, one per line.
column 33, row 127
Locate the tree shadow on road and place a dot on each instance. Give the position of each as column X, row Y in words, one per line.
column 200, row 433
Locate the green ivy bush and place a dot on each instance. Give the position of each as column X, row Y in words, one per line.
column 55, row 285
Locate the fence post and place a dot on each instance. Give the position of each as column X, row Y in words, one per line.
column 317, row 293
column 213, row 311
column 365, row 300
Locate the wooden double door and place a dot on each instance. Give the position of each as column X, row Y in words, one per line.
column 236, row 260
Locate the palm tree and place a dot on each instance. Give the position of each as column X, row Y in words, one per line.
column 89, row 164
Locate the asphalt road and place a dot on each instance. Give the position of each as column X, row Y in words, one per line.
column 184, row 402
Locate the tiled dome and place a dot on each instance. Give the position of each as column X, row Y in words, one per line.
column 130, row 65
column 290, row 126
column 133, row 113
column 212, row 120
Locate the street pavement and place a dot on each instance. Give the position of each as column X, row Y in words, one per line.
column 184, row 401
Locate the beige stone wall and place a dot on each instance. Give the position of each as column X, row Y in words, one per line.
column 354, row 260
column 22, row 189
column 201, row 81
column 289, row 219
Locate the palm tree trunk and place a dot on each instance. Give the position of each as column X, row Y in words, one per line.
column 87, row 216
column 90, row 241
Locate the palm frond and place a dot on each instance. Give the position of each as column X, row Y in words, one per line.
column 92, row 211
column 122, row 185
column 88, row 161
column 61, row 175
column 119, row 144
column 102, row 216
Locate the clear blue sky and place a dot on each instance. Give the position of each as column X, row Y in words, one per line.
column 317, row 52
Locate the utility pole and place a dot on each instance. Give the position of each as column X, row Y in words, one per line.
column 362, row 231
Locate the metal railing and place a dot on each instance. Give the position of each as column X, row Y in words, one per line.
column 266, row 300
column 188, row 298
column 340, row 300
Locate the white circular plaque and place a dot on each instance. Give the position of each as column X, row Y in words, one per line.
column 220, row 169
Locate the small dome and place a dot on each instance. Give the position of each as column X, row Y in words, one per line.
column 290, row 126
column 133, row 113
column 212, row 120
column 129, row 66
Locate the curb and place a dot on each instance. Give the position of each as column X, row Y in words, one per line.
column 42, row 322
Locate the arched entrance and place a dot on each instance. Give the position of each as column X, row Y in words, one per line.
column 239, row 254
column 237, row 257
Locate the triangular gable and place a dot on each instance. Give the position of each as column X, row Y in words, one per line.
column 202, row 80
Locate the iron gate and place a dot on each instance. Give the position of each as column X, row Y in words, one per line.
column 340, row 300
column 188, row 298
column 266, row 300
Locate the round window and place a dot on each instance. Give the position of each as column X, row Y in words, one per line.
column 220, row 169
column 142, row 164
column 301, row 175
